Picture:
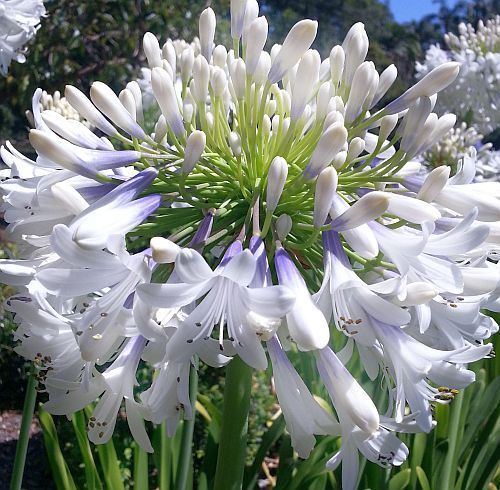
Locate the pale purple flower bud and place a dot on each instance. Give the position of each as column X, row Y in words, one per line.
column 356, row 147
column 84, row 106
column 151, row 48
column 257, row 37
column 276, row 178
column 360, row 87
column 296, row 43
column 238, row 8
column 387, row 124
column 339, row 159
column 207, row 26
column 333, row 117
column 326, row 185
column 305, row 82
column 161, row 129
column 164, row 92
column 109, row 104
column 329, row 144
column 195, row 145
column 283, row 226
column 251, row 13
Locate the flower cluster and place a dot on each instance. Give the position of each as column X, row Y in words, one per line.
column 19, row 21
column 457, row 144
column 474, row 96
column 271, row 207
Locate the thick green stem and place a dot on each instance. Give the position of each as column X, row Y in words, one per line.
column 233, row 436
column 450, row 469
column 185, row 457
column 24, row 433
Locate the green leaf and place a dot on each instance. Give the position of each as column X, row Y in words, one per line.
column 400, row 480
column 269, row 438
column 110, row 465
column 60, row 471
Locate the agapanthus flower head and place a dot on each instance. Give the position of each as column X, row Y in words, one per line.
column 276, row 204
column 474, row 96
column 19, row 21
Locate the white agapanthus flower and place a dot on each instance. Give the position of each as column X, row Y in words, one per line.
column 19, row 21
column 475, row 94
column 275, row 204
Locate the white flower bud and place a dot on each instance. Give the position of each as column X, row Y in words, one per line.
column 443, row 126
column 333, row 117
column 168, row 68
column 305, row 82
column 418, row 293
column 329, row 144
column 361, row 82
column 251, row 13
column 164, row 92
column 356, row 147
column 207, row 25
column 339, row 159
column 238, row 77
column 136, row 92
column 355, row 47
column 109, row 104
column 169, row 55
column 187, row 62
column 128, row 101
column 195, row 145
column 201, row 77
column 80, row 102
column 235, row 143
column 326, row 185
column 387, row 124
column 421, row 143
column 337, row 60
column 411, row 209
column 435, row 81
column 434, row 183
column 237, row 17
column 296, row 43
column 322, row 99
column 262, row 69
column 151, row 48
column 161, row 129
column 283, row 226
column 164, row 251
column 413, row 122
column 276, row 179
column 218, row 81
column 257, row 37
column 219, row 56
column 270, row 107
column 387, row 78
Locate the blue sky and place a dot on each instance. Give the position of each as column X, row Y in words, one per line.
column 406, row 10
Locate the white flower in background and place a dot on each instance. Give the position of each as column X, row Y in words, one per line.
column 19, row 21
column 475, row 94
column 133, row 245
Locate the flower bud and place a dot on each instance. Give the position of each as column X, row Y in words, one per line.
column 251, row 13
column 201, row 77
column 161, row 129
column 442, row 127
column 262, row 69
column 283, row 226
column 151, row 48
column 326, row 185
column 109, row 104
column 195, row 145
column 164, row 92
column 187, row 62
column 80, row 102
column 237, row 17
column 355, row 46
column 434, row 183
column 339, row 159
column 362, row 80
column 235, row 143
column 296, row 43
column 238, row 77
column 305, row 82
column 322, row 99
column 411, row 209
column 329, row 144
column 435, row 81
column 207, row 25
column 387, row 124
column 421, row 143
column 333, row 117
column 136, row 92
column 356, row 147
column 387, row 78
column 218, row 81
column 337, row 60
column 219, row 56
column 257, row 37
column 276, row 179
column 418, row 293
column 128, row 101
column 413, row 122
column 169, row 55
column 164, row 251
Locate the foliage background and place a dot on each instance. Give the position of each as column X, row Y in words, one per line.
column 80, row 42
